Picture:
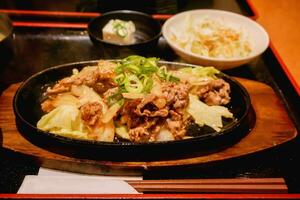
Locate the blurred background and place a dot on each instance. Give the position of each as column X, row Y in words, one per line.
column 148, row 6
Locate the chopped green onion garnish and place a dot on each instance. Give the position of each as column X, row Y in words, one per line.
column 120, row 29
column 122, row 32
column 134, row 74
column 133, row 84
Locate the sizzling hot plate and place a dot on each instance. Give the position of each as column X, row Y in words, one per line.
column 28, row 111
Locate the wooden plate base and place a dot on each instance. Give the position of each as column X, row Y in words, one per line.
column 273, row 127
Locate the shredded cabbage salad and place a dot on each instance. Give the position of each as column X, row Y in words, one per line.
column 208, row 37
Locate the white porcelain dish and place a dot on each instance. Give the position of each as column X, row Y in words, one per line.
column 255, row 33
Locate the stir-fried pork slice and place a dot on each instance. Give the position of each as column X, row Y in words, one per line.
column 104, row 85
column 106, row 69
column 108, row 93
column 89, row 76
column 177, row 123
column 146, row 131
column 47, row 105
column 58, row 88
column 216, row 92
column 91, row 113
column 175, row 127
column 145, row 117
column 139, row 134
column 176, row 94
column 152, row 106
column 128, row 116
column 141, row 126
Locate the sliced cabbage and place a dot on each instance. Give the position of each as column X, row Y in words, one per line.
column 65, row 99
column 201, row 71
column 164, row 135
column 64, row 120
column 157, row 87
column 196, row 75
column 111, row 112
column 109, row 132
column 122, row 132
column 207, row 115
column 86, row 94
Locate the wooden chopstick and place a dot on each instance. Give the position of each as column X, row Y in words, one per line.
column 212, row 181
column 237, row 185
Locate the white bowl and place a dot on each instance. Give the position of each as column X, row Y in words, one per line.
column 255, row 33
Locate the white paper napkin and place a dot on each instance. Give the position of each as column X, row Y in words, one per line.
column 50, row 181
column 52, row 172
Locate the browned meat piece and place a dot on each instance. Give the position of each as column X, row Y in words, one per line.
column 145, row 117
column 129, row 117
column 106, row 69
column 155, row 129
column 89, row 76
column 160, row 113
column 148, row 108
column 139, row 134
column 142, row 124
column 146, row 131
column 176, row 94
column 47, row 106
column 103, row 86
column 91, row 113
column 216, row 92
column 177, row 124
column 160, row 102
column 58, row 88
column 173, row 126
column 109, row 93
column 177, row 128
column 176, row 115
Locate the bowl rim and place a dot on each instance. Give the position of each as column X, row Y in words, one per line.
column 224, row 60
column 91, row 34
column 9, row 24
column 228, row 130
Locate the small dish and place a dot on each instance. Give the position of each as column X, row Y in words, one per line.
column 255, row 33
column 147, row 33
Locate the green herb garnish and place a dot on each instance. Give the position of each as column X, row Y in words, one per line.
column 134, row 74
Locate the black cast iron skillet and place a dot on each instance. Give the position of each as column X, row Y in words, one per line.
column 28, row 111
